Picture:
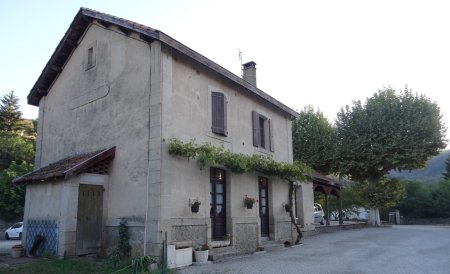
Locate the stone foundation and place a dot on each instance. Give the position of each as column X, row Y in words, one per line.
column 195, row 233
column 246, row 237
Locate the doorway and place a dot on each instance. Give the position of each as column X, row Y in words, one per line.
column 264, row 205
column 218, row 203
column 89, row 219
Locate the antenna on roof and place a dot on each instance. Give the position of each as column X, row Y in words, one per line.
column 240, row 58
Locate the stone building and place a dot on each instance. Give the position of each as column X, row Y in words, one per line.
column 110, row 98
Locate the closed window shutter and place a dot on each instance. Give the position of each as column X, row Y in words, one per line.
column 272, row 148
column 218, row 113
column 256, row 129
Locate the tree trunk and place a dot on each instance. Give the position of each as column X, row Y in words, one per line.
column 291, row 213
column 374, row 217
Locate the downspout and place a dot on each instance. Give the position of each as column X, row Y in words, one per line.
column 148, row 158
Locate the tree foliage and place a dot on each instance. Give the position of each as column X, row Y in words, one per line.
column 447, row 169
column 10, row 113
column 12, row 197
column 425, row 201
column 14, row 147
column 313, row 143
column 387, row 132
column 417, row 201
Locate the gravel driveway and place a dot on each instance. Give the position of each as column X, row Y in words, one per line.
column 400, row 249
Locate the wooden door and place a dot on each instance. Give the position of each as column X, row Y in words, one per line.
column 89, row 219
column 218, row 203
column 264, row 206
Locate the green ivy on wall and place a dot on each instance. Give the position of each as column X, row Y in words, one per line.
column 209, row 155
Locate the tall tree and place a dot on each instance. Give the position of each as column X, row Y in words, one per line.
column 312, row 136
column 387, row 132
column 10, row 113
column 447, row 169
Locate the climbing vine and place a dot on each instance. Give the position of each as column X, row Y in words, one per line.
column 209, row 155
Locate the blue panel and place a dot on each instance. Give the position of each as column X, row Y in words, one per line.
column 46, row 228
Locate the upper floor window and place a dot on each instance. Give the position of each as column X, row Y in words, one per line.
column 262, row 131
column 219, row 113
column 91, row 55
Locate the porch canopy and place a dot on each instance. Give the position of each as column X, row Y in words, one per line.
column 67, row 167
column 328, row 186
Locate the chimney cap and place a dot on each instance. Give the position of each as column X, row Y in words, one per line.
column 249, row 65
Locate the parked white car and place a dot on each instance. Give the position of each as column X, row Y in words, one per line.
column 319, row 216
column 14, row 232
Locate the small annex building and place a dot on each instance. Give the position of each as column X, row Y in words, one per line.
column 110, row 98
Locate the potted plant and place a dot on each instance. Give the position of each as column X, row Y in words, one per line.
column 17, row 251
column 248, row 201
column 195, row 205
column 201, row 253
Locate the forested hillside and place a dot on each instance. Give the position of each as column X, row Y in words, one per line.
column 431, row 173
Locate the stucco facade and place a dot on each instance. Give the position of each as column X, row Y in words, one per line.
column 119, row 89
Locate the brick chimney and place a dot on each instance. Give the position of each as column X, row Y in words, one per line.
column 249, row 72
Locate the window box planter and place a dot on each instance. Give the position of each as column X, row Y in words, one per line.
column 222, row 243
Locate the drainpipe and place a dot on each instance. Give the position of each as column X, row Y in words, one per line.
column 148, row 164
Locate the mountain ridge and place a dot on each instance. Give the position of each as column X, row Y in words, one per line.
column 432, row 172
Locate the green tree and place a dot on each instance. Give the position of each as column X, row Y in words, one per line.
column 388, row 132
column 10, row 113
column 14, row 148
column 12, row 197
column 312, row 136
column 417, row 201
column 447, row 169
column 440, row 197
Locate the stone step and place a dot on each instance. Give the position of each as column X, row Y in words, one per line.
column 271, row 246
column 222, row 253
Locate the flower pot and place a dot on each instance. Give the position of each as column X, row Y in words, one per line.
column 249, row 206
column 17, row 251
column 287, row 208
column 195, row 208
column 201, row 256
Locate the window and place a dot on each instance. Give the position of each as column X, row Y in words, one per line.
column 219, row 113
column 262, row 131
column 91, row 56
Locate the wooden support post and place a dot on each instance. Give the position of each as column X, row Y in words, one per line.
column 339, row 204
column 327, row 211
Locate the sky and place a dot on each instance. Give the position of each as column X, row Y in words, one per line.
column 324, row 53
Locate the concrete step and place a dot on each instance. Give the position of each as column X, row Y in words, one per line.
column 271, row 246
column 222, row 253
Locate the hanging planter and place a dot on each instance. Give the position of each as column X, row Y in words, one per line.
column 195, row 208
column 287, row 207
column 195, row 205
column 248, row 201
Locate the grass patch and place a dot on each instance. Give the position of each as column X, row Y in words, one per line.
column 68, row 266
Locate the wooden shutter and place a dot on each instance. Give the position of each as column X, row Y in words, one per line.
column 218, row 113
column 256, row 130
column 272, row 148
